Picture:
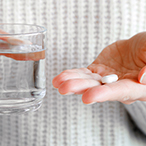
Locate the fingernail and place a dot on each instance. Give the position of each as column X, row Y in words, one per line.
column 143, row 78
column 69, row 93
column 90, row 103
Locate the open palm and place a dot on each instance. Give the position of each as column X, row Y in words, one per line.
column 126, row 58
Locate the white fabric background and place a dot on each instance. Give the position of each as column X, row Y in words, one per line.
column 77, row 31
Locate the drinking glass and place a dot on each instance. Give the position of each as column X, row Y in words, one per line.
column 22, row 67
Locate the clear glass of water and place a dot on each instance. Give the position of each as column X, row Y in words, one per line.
column 22, row 67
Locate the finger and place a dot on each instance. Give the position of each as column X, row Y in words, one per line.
column 13, row 40
column 77, row 86
column 142, row 75
column 16, row 41
column 128, row 102
column 70, row 74
column 4, row 46
column 80, row 70
column 97, row 68
column 122, row 90
column 35, row 56
column 102, row 69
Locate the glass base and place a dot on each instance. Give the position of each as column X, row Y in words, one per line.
column 7, row 109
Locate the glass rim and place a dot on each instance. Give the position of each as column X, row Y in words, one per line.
column 31, row 33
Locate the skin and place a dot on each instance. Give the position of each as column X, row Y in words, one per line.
column 26, row 56
column 35, row 56
column 126, row 58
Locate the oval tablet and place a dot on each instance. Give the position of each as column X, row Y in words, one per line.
column 109, row 78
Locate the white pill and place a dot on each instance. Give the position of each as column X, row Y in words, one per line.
column 109, row 78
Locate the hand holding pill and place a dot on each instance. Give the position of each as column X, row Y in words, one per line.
column 117, row 74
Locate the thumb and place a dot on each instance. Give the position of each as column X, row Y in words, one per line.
column 142, row 75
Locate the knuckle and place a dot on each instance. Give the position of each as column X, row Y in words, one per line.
column 70, row 84
column 128, row 102
column 125, row 98
column 66, row 87
column 63, row 75
column 86, row 70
